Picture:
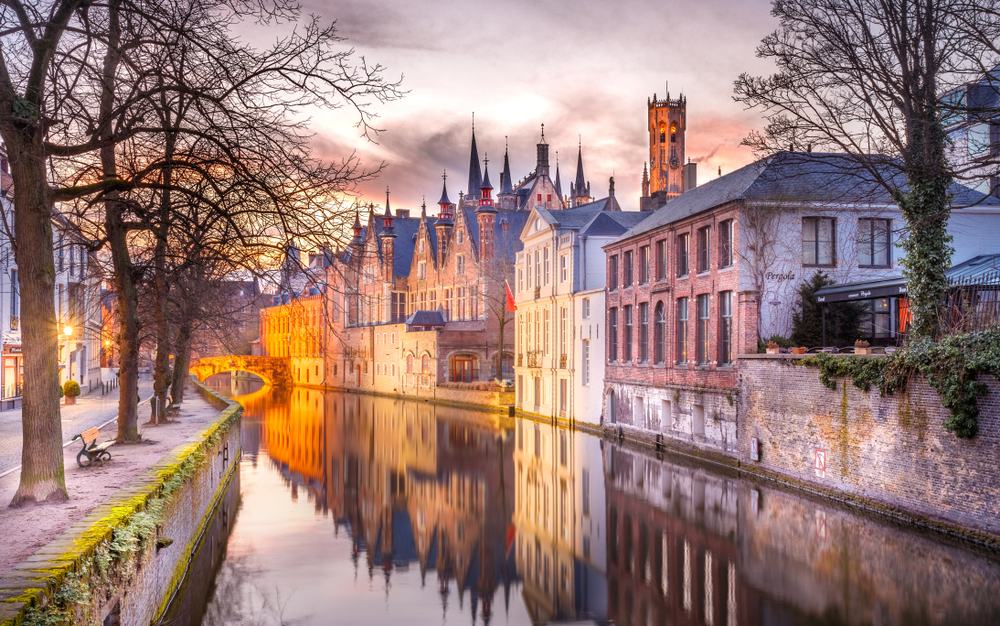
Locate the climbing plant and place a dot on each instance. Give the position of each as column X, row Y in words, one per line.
column 952, row 367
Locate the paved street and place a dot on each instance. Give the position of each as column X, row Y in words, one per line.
column 90, row 410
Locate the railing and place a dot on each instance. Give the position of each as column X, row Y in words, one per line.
column 562, row 361
column 534, row 359
column 15, row 322
column 538, row 292
column 971, row 304
column 520, row 360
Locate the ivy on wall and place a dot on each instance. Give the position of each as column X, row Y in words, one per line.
column 951, row 366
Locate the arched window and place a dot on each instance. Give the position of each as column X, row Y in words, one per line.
column 409, row 363
column 663, row 132
column 425, row 365
column 673, row 133
column 660, row 333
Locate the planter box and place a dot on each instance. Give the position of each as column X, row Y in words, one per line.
column 798, row 350
column 862, row 350
column 773, row 350
column 70, row 400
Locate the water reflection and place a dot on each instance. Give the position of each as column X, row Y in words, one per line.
column 361, row 510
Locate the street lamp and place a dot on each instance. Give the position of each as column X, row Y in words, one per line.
column 68, row 331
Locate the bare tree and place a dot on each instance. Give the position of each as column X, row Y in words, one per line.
column 77, row 81
column 869, row 78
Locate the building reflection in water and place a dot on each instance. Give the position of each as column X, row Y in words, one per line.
column 492, row 513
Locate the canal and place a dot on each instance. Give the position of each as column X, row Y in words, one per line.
column 363, row 510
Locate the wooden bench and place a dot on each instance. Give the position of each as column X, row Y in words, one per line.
column 92, row 452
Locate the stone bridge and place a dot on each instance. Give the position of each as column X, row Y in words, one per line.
column 274, row 370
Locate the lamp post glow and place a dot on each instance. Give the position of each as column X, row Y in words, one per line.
column 68, row 331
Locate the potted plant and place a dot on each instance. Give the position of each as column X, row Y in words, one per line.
column 861, row 347
column 772, row 347
column 71, row 389
column 798, row 350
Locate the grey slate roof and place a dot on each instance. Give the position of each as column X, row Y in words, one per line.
column 405, row 229
column 506, row 185
column 580, row 181
column 515, row 221
column 475, row 174
column 425, row 318
column 593, row 220
column 817, row 178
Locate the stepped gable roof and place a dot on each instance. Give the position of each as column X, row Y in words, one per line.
column 405, row 229
column 806, row 177
column 515, row 221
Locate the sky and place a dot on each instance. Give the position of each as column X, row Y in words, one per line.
column 584, row 69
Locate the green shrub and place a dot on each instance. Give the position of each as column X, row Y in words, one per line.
column 71, row 388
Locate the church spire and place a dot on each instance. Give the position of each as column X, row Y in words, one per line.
column 645, row 181
column 559, row 193
column 506, row 184
column 542, row 161
column 580, row 191
column 475, row 174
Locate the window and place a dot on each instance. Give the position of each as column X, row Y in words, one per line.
column 704, row 258
column 613, row 273
column 978, row 139
column 409, row 363
column 546, row 329
column 464, row 368
column 585, row 309
column 643, row 265
column 539, row 197
column 661, row 259
column 627, row 311
column 703, row 326
column 682, row 330
column 613, row 334
column 563, row 394
column 425, row 365
column 563, row 451
column 726, row 327
column 627, row 270
column 663, row 133
column 817, row 241
column 520, row 280
column 562, row 331
column 726, row 243
column 460, row 263
column 585, row 363
column 548, row 197
column 643, row 332
column 875, row 321
column 673, row 132
column 873, row 243
column 459, row 236
column 682, row 254
column 422, row 270
column 546, row 265
column 460, row 303
column 660, row 333
column 563, row 268
column 538, row 268
column 421, row 244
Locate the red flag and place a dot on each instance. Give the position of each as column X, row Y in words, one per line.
column 510, row 298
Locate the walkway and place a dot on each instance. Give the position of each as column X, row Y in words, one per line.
column 28, row 528
column 90, row 410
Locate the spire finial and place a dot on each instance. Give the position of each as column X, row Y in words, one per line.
column 543, row 131
column 473, row 121
column 486, row 158
column 506, row 143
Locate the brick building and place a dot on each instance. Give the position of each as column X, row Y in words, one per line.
column 717, row 267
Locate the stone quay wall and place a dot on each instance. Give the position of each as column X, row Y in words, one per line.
column 125, row 561
column 889, row 453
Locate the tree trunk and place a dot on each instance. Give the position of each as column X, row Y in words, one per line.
column 117, row 232
column 161, row 376
column 182, row 359
column 42, row 472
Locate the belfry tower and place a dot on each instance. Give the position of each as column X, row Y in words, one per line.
column 667, row 123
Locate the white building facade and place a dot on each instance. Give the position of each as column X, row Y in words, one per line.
column 559, row 326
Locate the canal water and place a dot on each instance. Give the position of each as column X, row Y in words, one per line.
column 362, row 510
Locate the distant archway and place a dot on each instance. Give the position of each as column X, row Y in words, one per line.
column 272, row 370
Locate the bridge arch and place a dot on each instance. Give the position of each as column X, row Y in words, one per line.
column 275, row 371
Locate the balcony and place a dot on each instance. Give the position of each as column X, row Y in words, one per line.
column 562, row 361
column 520, row 360
column 538, row 292
column 15, row 322
column 534, row 359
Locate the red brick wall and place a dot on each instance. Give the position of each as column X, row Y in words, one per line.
column 892, row 450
